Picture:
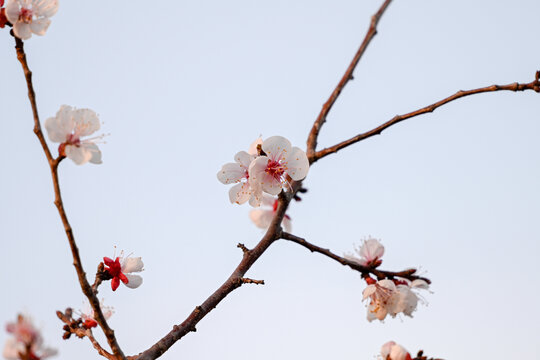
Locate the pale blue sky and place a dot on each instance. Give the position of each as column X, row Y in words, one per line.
column 182, row 86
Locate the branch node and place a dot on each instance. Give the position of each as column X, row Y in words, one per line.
column 245, row 250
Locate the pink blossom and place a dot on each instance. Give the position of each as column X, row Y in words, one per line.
column 26, row 340
column 30, row 16
column 68, row 128
column 262, row 218
column 370, row 253
column 393, row 351
column 281, row 163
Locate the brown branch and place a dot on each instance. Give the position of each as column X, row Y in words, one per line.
column 53, row 164
column 321, row 119
column 234, row 281
column 408, row 274
column 533, row 85
column 74, row 327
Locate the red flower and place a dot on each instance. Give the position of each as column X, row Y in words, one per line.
column 115, row 270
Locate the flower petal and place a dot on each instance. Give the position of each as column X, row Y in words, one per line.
column 132, row 264
column 60, row 126
column 261, row 218
column 253, row 147
column 13, row 10
column 22, row 30
column 240, row 193
column 86, row 122
column 231, row 173
column 134, row 281
column 40, row 26
column 46, row 8
column 79, row 154
column 297, row 164
column 276, row 147
column 244, row 159
column 94, row 151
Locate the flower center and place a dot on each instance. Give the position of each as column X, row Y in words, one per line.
column 275, row 169
column 115, row 269
column 73, row 139
column 26, row 15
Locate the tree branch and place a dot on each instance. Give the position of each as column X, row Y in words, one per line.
column 408, row 274
column 533, row 85
column 321, row 119
column 53, row 164
column 234, row 281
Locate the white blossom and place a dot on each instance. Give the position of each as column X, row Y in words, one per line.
column 88, row 315
column 370, row 253
column 68, row 128
column 281, row 162
column 30, row 16
column 237, row 172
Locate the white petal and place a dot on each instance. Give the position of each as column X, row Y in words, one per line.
column 40, row 26
column 297, row 164
column 22, row 30
column 420, row 284
column 398, row 353
column 240, row 193
column 276, row 147
column 134, row 281
column 61, row 126
column 132, row 264
column 48, row 352
column 79, row 154
column 95, row 154
column 86, row 122
column 406, row 301
column 386, row 349
column 261, row 218
column 46, row 8
column 256, row 195
column 371, row 249
column 244, row 159
column 12, row 349
column 12, row 11
column 231, row 173
column 368, row 291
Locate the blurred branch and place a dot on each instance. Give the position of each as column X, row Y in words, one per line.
column 321, row 119
column 53, row 164
column 408, row 274
column 74, row 327
column 533, row 85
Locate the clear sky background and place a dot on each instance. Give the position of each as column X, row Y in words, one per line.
column 182, row 86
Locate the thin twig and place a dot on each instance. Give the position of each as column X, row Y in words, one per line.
column 252, row 281
column 372, row 31
column 533, row 85
column 408, row 274
column 234, row 281
column 53, row 164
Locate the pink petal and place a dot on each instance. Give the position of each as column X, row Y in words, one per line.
column 231, row 173
column 40, row 26
column 297, row 164
column 261, row 218
column 22, row 30
column 276, row 147
column 240, row 193
column 12, row 11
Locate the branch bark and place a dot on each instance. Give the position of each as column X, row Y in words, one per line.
column 234, row 281
column 533, row 85
column 408, row 274
column 321, row 119
column 53, row 164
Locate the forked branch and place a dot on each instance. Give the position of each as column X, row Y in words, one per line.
column 314, row 133
column 533, row 85
column 409, row 274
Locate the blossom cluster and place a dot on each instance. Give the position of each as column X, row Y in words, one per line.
column 26, row 342
column 387, row 296
column 269, row 167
